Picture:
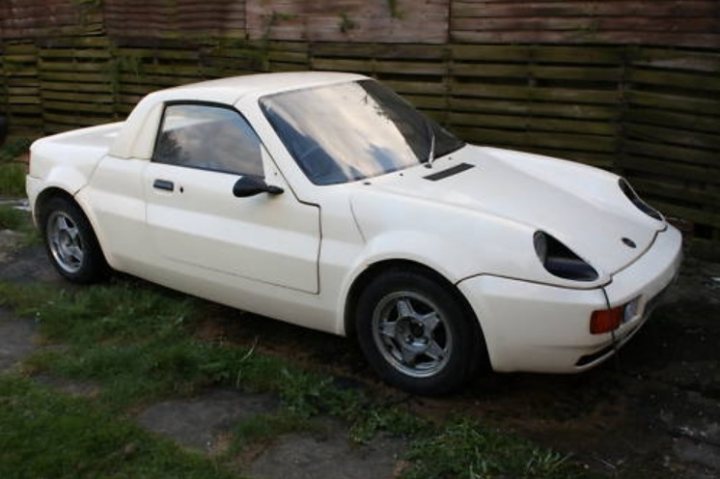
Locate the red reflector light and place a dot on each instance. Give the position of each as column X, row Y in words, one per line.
column 606, row 320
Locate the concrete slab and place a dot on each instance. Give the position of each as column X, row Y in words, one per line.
column 16, row 339
column 307, row 456
column 199, row 422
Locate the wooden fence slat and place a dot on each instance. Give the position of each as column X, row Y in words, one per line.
column 559, row 141
column 558, row 110
column 689, row 102
column 676, row 79
column 693, row 8
column 682, row 121
column 670, row 169
column 673, row 59
column 692, row 214
column 676, row 191
column 672, row 136
column 675, row 153
column 525, row 122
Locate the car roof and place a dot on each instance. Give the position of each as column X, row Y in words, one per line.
column 265, row 83
column 136, row 139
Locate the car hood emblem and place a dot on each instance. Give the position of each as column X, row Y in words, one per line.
column 629, row 242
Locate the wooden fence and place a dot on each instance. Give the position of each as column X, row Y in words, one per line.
column 647, row 106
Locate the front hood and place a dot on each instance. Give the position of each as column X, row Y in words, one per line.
column 581, row 206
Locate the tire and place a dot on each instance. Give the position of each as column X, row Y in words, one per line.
column 417, row 334
column 70, row 242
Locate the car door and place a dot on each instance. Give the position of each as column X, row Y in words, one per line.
column 194, row 219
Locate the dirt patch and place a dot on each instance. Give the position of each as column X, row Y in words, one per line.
column 202, row 421
column 328, row 456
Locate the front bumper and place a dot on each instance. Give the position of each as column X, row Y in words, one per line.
column 541, row 328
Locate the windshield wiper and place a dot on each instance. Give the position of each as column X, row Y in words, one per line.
column 431, row 152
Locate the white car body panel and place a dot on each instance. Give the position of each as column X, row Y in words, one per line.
column 67, row 160
column 274, row 240
column 296, row 256
column 500, row 196
column 534, row 327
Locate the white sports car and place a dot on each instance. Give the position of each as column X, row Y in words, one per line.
column 325, row 200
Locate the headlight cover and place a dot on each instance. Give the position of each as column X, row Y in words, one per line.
column 559, row 260
column 637, row 201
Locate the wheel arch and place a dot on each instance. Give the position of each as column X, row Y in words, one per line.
column 44, row 198
column 376, row 269
column 51, row 192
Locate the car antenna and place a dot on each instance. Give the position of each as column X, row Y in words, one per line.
column 431, row 152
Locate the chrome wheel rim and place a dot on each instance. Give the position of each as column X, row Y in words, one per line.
column 412, row 334
column 65, row 242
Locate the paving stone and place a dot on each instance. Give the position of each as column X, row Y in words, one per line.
column 199, row 422
column 16, row 339
column 306, row 456
column 8, row 242
column 28, row 265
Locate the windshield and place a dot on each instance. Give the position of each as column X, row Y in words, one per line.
column 352, row 131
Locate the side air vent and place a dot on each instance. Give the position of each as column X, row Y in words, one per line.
column 449, row 172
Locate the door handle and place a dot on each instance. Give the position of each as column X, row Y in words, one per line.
column 163, row 185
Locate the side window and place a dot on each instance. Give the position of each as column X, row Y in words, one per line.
column 208, row 137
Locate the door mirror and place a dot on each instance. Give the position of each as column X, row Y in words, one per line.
column 252, row 185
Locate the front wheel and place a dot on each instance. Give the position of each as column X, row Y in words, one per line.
column 417, row 334
column 70, row 242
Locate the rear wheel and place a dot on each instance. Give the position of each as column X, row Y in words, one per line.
column 70, row 242
column 417, row 334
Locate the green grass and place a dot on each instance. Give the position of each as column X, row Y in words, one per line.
column 45, row 434
column 12, row 179
column 136, row 342
column 264, row 428
column 11, row 218
column 14, row 148
column 130, row 339
column 466, row 450
column 19, row 221
column 12, row 175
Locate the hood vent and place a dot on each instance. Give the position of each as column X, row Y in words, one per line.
column 449, row 172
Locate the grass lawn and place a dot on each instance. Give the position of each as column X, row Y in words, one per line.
column 136, row 342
